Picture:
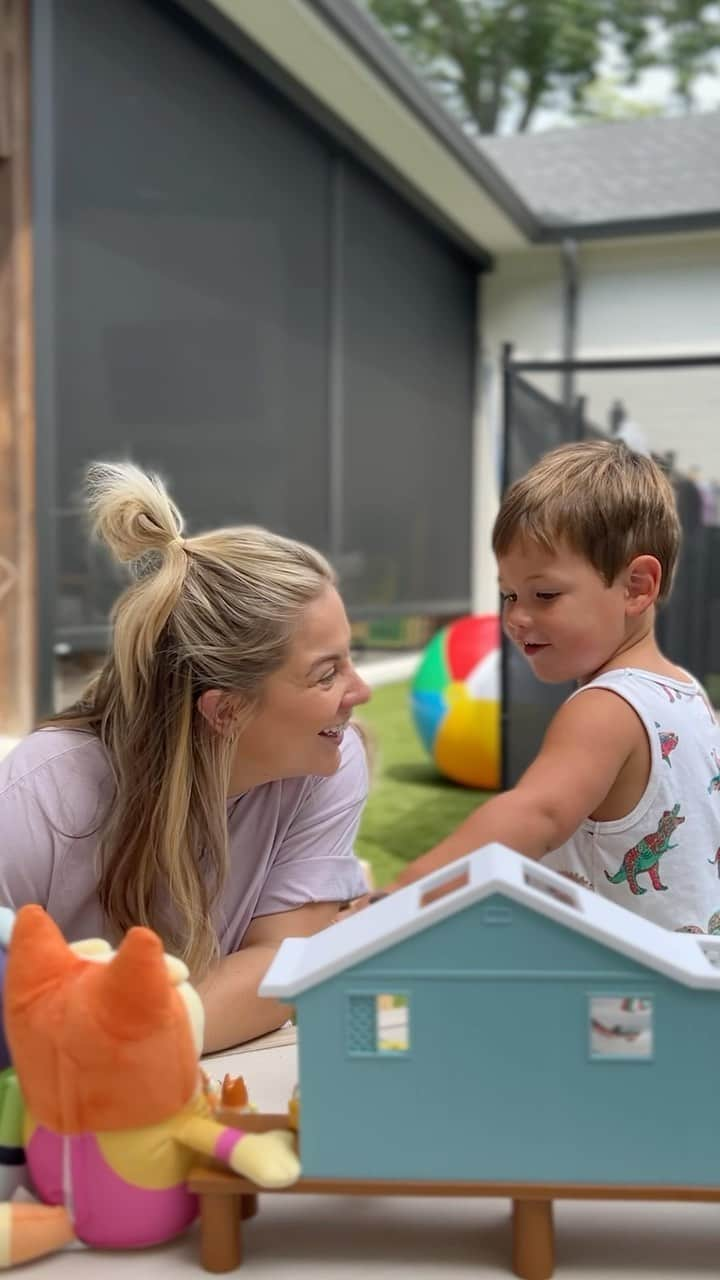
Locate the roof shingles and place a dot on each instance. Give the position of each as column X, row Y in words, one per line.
column 620, row 172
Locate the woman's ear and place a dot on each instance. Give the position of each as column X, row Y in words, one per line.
column 221, row 711
column 643, row 581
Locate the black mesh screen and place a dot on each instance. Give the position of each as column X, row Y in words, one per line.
column 194, row 240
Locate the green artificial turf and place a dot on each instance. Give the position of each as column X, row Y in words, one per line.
column 712, row 685
column 411, row 806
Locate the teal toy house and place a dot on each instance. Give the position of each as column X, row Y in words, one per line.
column 496, row 1022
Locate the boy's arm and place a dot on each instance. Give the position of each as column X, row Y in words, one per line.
column 586, row 746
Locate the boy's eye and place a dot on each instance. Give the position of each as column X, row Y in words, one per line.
column 507, row 597
column 547, row 595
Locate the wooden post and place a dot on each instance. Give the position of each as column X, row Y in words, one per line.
column 17, row 425
column 248, row 1207
column 220, row 1233
column 533, row 1240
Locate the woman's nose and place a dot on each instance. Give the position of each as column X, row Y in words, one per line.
column 358, row 691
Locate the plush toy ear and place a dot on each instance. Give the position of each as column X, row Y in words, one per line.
column 135, row 990
column 38, row 956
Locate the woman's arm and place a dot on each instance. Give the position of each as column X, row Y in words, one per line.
column 313, row 871
column 233, row 1010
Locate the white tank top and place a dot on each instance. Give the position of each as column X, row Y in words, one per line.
column 662, row 860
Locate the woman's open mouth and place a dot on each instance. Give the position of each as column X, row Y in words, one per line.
column 335, row 734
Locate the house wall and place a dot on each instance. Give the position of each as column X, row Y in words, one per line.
column 350, row 89
column 647, row 296
column 498, row 1083
column 17, row 436
column 243, row 306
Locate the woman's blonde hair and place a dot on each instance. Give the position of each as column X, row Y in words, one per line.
column 216, row 611
column 604, row 501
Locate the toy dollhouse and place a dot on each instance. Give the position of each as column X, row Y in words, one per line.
column 497, row 1029
column 540, row 1032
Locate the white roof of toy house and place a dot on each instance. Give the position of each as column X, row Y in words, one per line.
column 302, row 963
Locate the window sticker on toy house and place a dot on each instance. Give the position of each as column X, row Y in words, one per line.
column 621, row 1027
column 379, row 1024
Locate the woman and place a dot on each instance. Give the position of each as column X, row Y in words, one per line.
column 207, row 784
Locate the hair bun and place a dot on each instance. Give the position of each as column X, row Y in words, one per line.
column 131, row 511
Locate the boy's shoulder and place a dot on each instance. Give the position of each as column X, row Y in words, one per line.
column 601, row 702
column 664, row 704
column 645, row 680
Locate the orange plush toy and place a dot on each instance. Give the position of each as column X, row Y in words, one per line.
column 106, row 1047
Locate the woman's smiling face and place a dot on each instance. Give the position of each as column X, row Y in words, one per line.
column 305, row 705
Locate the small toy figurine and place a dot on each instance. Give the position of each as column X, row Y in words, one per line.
column 234, row 1093
column 106, row 1047
column 231, row 1093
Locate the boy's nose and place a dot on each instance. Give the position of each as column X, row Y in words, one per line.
column 518, row 620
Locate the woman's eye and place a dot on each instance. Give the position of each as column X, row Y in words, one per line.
column 328, row 678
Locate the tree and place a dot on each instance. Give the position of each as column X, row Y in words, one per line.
column 604, row 101
column 497, row 61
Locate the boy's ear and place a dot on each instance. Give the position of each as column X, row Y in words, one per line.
column 643, row 580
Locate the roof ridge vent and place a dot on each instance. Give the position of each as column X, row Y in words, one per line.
column 551, row 885
column 710, row 947
column 449, row 881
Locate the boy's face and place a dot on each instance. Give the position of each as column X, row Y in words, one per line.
column 559, row 612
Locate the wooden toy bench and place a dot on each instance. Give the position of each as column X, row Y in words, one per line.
column 226, row 1200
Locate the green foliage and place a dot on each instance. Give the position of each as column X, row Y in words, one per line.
column 604, row 101
column 500, row 60
column 411, row 807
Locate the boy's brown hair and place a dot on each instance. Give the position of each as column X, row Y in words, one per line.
column 602, row 500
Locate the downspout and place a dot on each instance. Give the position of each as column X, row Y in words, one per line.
column 571, row 289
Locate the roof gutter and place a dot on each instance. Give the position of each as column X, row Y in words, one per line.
column 363, row 37
column 671, row 224
column 359, row 31
column 426, row 169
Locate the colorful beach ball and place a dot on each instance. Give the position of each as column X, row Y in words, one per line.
column 455, row 701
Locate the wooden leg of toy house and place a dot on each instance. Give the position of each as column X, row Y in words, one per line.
column 248, row 1206
column 227, row 1199
column 533, row 1239
column 220, row 1232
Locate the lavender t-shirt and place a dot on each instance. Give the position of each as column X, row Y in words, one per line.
column 290, row 842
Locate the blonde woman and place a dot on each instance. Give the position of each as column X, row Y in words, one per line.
column 208, row 783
